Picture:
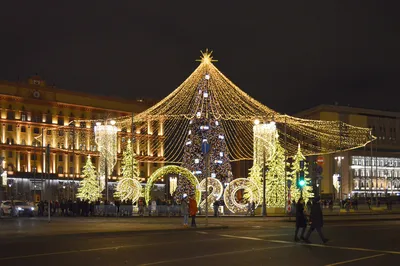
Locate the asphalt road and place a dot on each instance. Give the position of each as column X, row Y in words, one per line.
column 269, row 243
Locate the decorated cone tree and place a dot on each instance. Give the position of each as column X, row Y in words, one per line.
column 126, row 190
column 205, row 127
column 255, row 175
column 89, row 187
column 275, row 178
column 295, row 170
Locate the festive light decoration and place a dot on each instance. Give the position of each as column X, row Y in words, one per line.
column 295, row 191
column 275, row 178
column 336, row 181
column 89, row 187
column 246, row 186
column 106, row 139
column 177, row 170
column 236, row 111
column 215, row 194
column 255, row 175
column 204, row 127
column 173, row 184
column 129, row 187
column 232, row 108
column 264, row 141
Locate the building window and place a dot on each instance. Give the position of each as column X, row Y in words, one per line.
column 21, row 156
column 142, row 164
column 71, row 158
column 11, row 115
column 23, row 129
column 34, row 157
column 155, row 164
column 60, row 158
column 83, row 159
column 60, row 133
column 23, row 117
column 10, row 154
column 83, row 124
column 36, row 130
column 60, row 170
column 71, row 170
column 9, row 128
column 23, row 142
column 61, row 121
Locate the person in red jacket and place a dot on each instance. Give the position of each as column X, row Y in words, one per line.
column 193, row 209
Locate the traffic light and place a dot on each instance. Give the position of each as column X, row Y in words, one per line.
column 302, row 182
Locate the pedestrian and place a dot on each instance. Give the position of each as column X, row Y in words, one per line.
column 316, row 221
column 193, row 209
column 301, row 220
column 216, row 206
column 153, row 207
column 185, row 211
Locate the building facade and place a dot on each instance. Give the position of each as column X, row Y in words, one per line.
column 34, row 115
column 369, row 171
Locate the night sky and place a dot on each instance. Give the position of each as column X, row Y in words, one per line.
column 290, row 55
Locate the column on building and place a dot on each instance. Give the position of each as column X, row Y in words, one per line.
column 28, row 159
column 18, row 159
column 66, row 168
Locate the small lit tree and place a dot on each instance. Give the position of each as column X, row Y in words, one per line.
column 255, row 175
column 89, row 187
column 275, row 178
column 128, row 187
column 295, row 191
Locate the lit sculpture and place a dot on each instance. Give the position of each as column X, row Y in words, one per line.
column 215, row 194
column 106, row 139
column 249, row 187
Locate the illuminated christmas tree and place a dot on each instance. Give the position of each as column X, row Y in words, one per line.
column 275, row 178
column 205, row 127
column 255, row 175
column 295, row 170
column 129, row 187
column 89, row 187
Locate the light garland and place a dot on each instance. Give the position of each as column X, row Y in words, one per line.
column 89, row 187
column 249, row 187
column 172, row 169
column 234, row 110
column 214, row 195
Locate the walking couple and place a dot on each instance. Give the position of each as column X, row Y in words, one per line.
column 189, row 207
column 316, row 220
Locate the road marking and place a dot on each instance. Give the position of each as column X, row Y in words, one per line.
column 201, row 232
column 313, row 245
column 104, row 248
column 271, row 235
column 243, row 237
column 349, row 261
column 213, row 255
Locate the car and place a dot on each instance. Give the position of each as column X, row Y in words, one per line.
column 20, row 208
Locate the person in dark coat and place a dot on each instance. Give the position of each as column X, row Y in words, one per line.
column 316, row 221
column 301, row 220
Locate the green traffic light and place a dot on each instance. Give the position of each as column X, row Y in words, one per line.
column 302, row 183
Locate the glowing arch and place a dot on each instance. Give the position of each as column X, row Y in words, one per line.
column 172, row 169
